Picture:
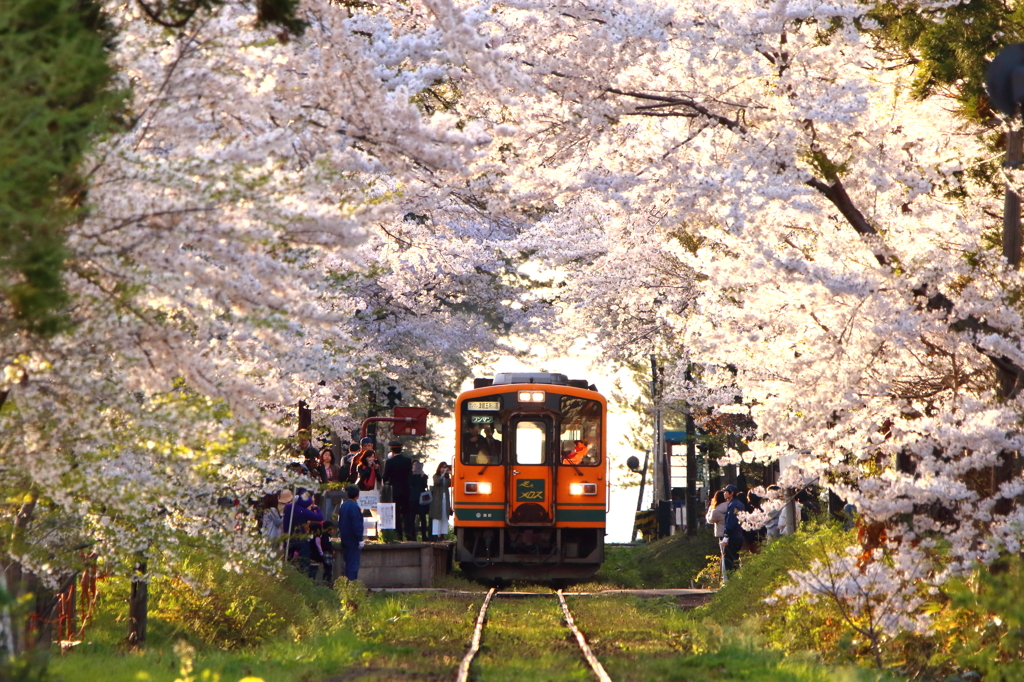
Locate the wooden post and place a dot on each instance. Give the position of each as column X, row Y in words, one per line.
column 138, row 606
column 427, row 566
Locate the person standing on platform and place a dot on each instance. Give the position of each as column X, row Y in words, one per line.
column 365, row 450
column 350, row 532
column 346, row 463
column 441, row 502
column 397, row 470
column 733, row 529
column 368, row 470
column 419, row 485
column 309, row 454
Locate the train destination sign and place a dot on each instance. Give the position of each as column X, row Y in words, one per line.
column 483, row 405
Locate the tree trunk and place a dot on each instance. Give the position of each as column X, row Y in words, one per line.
column 138, row 607
column 14, row 579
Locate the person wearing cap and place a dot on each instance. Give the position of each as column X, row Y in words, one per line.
column 297, row 514
column 397, row 471
column 733, row 529
column 272, row 519
column 350, row 532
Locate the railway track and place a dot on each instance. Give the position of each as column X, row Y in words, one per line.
column 481, row 620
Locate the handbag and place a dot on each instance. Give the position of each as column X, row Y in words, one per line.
column 426, row 497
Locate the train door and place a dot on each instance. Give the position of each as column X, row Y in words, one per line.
column 531, row 490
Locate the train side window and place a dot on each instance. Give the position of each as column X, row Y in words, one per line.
column 580, row 432
column 531, row 442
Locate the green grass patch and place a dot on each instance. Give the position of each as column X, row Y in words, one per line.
column 761, row 574
column 672, row 562
column 525, row 639
column 288, row 630
column 654, row 639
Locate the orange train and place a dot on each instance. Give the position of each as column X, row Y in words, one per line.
column 530, row 480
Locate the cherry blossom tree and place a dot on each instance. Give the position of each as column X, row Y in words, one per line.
column 816, row 227
column 276, row 223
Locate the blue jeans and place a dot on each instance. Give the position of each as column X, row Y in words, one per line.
column 351, row 555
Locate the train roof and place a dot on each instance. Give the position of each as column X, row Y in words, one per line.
column 550, row 378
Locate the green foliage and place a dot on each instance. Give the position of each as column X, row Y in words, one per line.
column 791, row 627
column 710, row 577
column 951, row 48
column 990, row 633
column 176, row 14
column 762, row 574
column 670, row 562
column 56, row 83
column 232, row 610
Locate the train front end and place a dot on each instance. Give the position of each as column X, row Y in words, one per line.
column 530, row 483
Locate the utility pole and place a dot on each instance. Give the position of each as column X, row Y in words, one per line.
column 661, row 479
column 691, row 467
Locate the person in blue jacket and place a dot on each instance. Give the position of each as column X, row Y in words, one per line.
column 350, row 531
column 297, row 515
column 733, row 529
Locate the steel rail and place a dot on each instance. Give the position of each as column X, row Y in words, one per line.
column 595, row 664
column 474, row 646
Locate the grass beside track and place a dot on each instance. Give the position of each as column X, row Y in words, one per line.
column 526, row 639
column 423, row 637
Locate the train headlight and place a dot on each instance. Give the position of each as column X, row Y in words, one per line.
column 531, row 396
column 582, row 488
column 481, row 488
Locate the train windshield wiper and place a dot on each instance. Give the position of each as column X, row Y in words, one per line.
column 573, row 464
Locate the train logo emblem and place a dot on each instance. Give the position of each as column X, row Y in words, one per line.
column 530, row 490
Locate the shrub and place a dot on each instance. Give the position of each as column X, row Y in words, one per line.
column 231, row 610
column 670, row 562
column 793, row 626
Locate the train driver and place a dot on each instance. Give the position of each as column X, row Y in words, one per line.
column 577, row 454
column 493, row 444
column 475, row 449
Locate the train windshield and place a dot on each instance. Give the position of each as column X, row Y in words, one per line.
column 531, row 442
column 580, row 432
column 481, row 440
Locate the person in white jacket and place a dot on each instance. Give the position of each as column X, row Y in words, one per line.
column 788, row 524
column 716, row 514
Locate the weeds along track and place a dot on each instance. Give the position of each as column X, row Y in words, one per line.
column 482, row 619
